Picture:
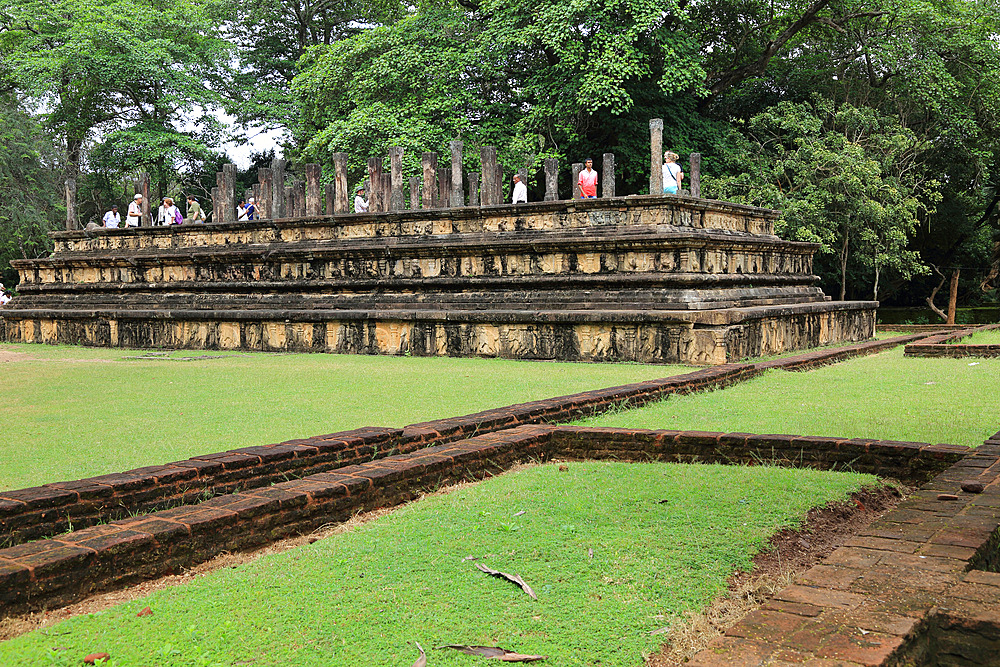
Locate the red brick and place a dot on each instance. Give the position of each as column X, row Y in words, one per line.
column 47, row 556
column 766, row 626
column 948, row 551
column 732, row 652
column 883, row 544
column 866, row 649
column 983, row 577
column 800, row 608
column 821, row 597
column 986, row 593
column 829, row 576
column 40, row 497
column 117, row 542
column 854, row 557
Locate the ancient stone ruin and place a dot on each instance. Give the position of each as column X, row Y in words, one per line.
column 636, row 278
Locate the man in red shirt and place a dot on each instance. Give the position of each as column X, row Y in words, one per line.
column 588, row 181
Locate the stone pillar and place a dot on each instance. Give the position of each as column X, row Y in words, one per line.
column 500, row 183
column 314, row 200
column 551, row 179
column 147, row 203
column 488, row 155
column 428, row 161
column 444, row 187
column 255, row 193
column 265, row 205
column 656, row 156
column 457, row 186
column 414, row 193
column 695, row 175
column 386, row 191
column 330, row 195
column 278, row 198
column 375, row 179
column 216, row 197
column 397, row 199
column 70, row 204
column 577, row 168
column 229, row 194
column 288, row 205
column 608, row 187
column 219, row 203
column 473, row 188
column 300, row 199
column 342, row 196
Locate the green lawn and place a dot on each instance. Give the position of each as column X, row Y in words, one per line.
column 74, row 412
column 880, row 396
column 665, row 537
column 991, row 337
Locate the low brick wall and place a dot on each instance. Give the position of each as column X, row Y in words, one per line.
column 28, row 514
column 61, row 570
column 911, row 589
column 943, row 345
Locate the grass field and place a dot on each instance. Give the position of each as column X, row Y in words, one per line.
column 665, row 537
column 72, row 412
column 881, row 396
column 991, row 337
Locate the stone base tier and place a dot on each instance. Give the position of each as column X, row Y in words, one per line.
column 648, row 279
column 693, row 337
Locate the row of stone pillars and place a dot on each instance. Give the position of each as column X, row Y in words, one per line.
column 438, row 187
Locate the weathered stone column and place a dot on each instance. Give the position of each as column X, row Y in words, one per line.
column 375, row 178
column 608, row 187
column 428, row 162
column 289, row 202
column 222, row 211
column 300, row 199
column 216, row 198
column 656, row 156
column 330, row 195
column 473, row 188
column 500, row 183
column 577, row 168
column 229, row 194
column 70, row 204
column 386, row 191
column 488, row 155
column 342, row 199
column 695, row 175
column 397, row 200
column 551, row 179
column 314, row 200
column 265, row 205
column 255, row 193
column 457, row 186
column 444, row 187
column 147, row 202
column 278, row 198
column 414, row 193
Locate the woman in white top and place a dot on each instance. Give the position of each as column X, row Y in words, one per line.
column 167, row 213
column 672, row 174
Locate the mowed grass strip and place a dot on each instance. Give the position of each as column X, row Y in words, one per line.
column 886, row 396
column 73, row 412
column 990, row 337
column 665, row 538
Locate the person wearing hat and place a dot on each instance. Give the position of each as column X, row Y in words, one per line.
column 360, row 205
column 4, row 296
column 134, row 212
column 251, row 209
column 113, row 219
column 195, row 212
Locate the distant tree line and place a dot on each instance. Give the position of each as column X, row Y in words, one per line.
column 873, row 126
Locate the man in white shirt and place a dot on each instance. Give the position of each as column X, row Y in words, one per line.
column 520, row 191
column 112, row 219
column 360, row 205
column 134, row 212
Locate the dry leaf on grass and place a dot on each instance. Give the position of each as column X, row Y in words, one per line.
column 513, row 578
column 495, row 652
column 422, row 660
column 146, row 611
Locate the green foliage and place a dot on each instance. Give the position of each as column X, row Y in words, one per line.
column 664, row 540
column 29, row 189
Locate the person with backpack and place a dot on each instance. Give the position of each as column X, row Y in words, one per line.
column 168, row 214
column 672, row 174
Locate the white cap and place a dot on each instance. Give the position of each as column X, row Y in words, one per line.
column 250, row 200
column 137, row 197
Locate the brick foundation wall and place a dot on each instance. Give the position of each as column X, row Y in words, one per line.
column 74, row 565
column 944, row 345
column 27, row 514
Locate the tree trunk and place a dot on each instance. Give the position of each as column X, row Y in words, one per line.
column 843, row 266
column 875, row 291
column 930, row 299
column 953, row 297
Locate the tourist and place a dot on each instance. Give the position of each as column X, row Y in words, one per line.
column 195, row 212
column 251, row 209
column 672, row 174
column 113, row 219
column 520, row 191
column 168, row 214
column 134, row 216
column 241, row 211
column 360, row 205
column 4, row 296
column 588, row 181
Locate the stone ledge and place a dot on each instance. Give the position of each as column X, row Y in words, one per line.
column 74, row 565
column 942, row 345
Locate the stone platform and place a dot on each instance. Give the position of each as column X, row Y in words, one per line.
column 649, row 279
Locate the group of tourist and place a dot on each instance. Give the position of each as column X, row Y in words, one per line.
column 168, row 213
